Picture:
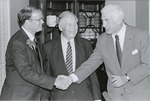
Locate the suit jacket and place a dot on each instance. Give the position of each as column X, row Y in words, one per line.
column 88, row 89
column 135, row 63
column 24, row 75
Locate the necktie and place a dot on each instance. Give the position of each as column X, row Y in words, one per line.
column 35, row 46
column 118, row 49
column 69, row 64
column 37, row 49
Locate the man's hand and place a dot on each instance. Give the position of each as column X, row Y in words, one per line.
column 63, row 82
column 119, row 81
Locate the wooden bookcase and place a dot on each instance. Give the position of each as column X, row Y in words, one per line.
column 87, row 11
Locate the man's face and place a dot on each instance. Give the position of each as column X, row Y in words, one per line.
column 36, row 21
column 70, row 28
column 110, row 23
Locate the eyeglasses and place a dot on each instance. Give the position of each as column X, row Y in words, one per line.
column 37, row 19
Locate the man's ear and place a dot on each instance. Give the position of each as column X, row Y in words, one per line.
column 60, row 28
column 27, row 22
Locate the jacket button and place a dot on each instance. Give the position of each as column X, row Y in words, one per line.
column 121, row 94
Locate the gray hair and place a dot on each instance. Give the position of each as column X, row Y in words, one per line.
column 64, row 16
column 114, row 10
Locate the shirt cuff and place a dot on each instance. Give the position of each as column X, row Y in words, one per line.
column 127, row 77
column 97, row 100
column 74, row 77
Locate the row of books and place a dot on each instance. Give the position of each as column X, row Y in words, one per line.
column 89, row 34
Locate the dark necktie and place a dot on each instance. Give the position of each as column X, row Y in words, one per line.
column 118, row 49
column 69, row 64
column 37, row 49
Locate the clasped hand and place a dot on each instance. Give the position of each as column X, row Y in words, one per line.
column 63, row 82
column 118, row 81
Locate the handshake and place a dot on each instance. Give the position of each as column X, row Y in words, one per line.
column 63, row 82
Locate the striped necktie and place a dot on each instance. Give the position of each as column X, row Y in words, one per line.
column 69, row 64
column 118, row 49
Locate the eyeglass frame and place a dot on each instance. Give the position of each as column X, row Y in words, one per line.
column 37, row 19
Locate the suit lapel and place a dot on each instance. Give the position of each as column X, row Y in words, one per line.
column 40, row 58
column 79, row 53
column 127, row 45
column 24, row 35
column 112, row 52
column 59, row 55
column 25, row 38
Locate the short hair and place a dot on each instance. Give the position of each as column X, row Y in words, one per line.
column 63, row 16
column 114, row 10
column 26, row 13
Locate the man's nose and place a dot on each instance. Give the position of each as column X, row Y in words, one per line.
column 42, row 21
column 104, row 24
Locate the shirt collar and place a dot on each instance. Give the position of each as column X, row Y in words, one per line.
column 121, row 32
column 31, row 37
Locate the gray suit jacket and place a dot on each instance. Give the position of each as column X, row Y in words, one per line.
column 135, row 63
column 24, row 75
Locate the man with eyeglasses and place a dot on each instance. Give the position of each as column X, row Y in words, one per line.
column 24, row 71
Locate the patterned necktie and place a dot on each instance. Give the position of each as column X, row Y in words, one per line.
column 35, row 47
column 118, row 49
column 69, row 64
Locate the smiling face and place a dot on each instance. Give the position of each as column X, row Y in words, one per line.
column 68, row 26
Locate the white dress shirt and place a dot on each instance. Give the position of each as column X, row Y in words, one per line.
column 121, row 35
column 31, row 37
column 64, row 48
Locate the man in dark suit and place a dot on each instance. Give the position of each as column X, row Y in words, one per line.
column 56, row 61
column 24, row 71
column 126, row 60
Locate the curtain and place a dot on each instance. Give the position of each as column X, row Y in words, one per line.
column 4, row 36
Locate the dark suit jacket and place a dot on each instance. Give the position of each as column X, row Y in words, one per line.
column 88, row 89
column 24, row 75
column 135, row 63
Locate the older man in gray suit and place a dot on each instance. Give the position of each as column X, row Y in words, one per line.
column 126, row 60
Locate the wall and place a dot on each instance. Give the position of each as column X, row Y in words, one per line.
column 4, row 36
column 15, row 7
column 149, row 16
column 136, row 12
column 142, row 20
column 128, row 7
